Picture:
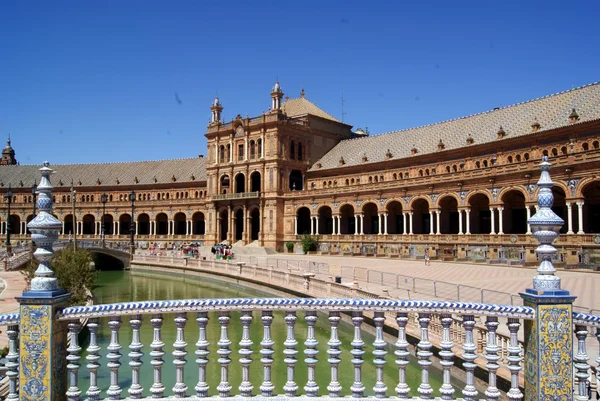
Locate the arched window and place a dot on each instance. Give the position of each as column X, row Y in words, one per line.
column 563, row 150
column 347, row 181
column 526, row 156
column 299, row 151
column 485, row 163
column 518, row 158
column 447, row 169
column 252, row 149
column 545, row 152
column 455, row 168
column 586, row 146
column 395, row 176
column 509, row 159
column 222, row 154
column 420, row 173
column 352, row 181
column 595, row 144
column 554, row 152
column 259, row 147
column 292, row 150
column 477, row 164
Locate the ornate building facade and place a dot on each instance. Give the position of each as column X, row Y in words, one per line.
column 462, row 189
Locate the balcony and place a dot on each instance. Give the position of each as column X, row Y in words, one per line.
column 241, row 195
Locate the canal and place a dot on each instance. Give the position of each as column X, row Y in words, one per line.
column 125, row 286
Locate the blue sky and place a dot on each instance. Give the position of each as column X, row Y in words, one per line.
column 91, row 81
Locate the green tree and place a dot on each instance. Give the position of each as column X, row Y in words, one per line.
column 74, row 271
column 309, row 242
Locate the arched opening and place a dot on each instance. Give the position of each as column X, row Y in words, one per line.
column 296, row 180
column 449, row 215
column 240, row 183
column 300, row 151
column 68, row 225
column 325, row 220
column 252, row 149
column 162, row 224
column 88, row 224
column 108, row 224
column 255, row 182
column 591, row 208
column 480, row 222
column 259, row 147
column 27, row 220
column 303, row 216
column 421, row 217
column 224, row 225
column 370, row 218
column 15, row 224
column 292, row 150
column 255, row 224
column 180, row 223
column 347, row 220
column 222, row 154
column 143, row 222
column 239, row 225
column 560, row 207
column 395, row 218
column 199, row 227
column 514, row 215
column 225, row 182
column 124, row 224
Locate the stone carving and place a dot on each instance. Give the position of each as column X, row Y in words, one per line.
column 314, row 207
column 358, row 203
column 434, row 197
column 463, row 196
column 495, row 192
column 407, row 199
column 572, row 183
column 335, row 206
column 531, row 188
column 382, row 201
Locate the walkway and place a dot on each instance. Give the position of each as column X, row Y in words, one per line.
column 14, row 283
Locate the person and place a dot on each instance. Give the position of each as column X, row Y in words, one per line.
column 427, row 262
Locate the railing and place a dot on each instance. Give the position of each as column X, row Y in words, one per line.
column 240, row 195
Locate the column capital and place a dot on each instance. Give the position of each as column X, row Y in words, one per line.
column 500, row 208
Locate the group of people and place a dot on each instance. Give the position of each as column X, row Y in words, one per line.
column 222, row 251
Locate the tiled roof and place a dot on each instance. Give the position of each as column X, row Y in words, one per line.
column 109, row 173
column 301, row 106
column 550, row 112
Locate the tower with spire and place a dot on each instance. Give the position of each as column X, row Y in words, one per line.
column 276, row 96
column 216, row 110
column 8, row 155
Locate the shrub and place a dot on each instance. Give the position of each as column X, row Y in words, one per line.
column 309, row 242
column 73, row 271
column 289, row 246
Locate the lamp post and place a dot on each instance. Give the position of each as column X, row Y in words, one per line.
column 73, row 196
column 34, row 192
column 8, row 198
column 132, row 225
column 103, row 199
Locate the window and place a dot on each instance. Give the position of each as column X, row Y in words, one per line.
column 241, row 151
column 299, row 151
column 222, row 153
column 259, row 146
column 252, row 149
column 292, row 150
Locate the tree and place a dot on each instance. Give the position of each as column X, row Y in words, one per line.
column 74, row 271
column 309, row 242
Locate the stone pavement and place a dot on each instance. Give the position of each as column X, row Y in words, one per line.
column 14, row 284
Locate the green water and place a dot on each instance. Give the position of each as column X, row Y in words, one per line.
column 121, row 286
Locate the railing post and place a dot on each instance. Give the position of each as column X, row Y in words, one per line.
column 548, row 338
column 43, row 339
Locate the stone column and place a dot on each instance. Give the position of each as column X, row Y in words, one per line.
column 295, row 225
column 230, row 152
column 438, row 213
column 362, row 224
column 493, row 220
column 468, row 221
column 460, row 223
column 404, row 223
column 229, row 225
column 339, row 227
column 379, row 225
column 385, row 224
column 262, row 146
column 528, row 209
column 96, row 228
column 246, row 150
column 431, row 222
column 136, row 228
column 500, row 223
column 317, row 225
column 580, row 217
column 117, row 227
column 569, row 219
column 410, row 215
column 312, row 225
column 355, row 224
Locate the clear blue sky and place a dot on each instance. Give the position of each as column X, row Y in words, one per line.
column 92, row 81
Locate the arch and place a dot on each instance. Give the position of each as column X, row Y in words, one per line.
column 255, row 181
column 259, row 147
column 162, row 224
column 395, row 219
column 591, row 207
column 180, row 223
column 303, row 220
column 255, row 224
column 143, row 222
column 198, row 224
column 239, row 224
column 585, row 146
column 448, row 204
column 471, row 194
column 445, row 195
column 421, row 217
column 559, row 206
column 125, row 225
column 68, row 225
column 509, row 159
column 595, row 144
column 224, row 184
column 416, row 198
column 518, row 158
column 292, row 150
column 109, row 224
column 252, row 148
column 514, row 215
column 480, row 215
column 223, row 225
column 325, row 219
column 88, row 223
column 240, row 183
column 519, row 188
column 296, row 180
column 347, row 219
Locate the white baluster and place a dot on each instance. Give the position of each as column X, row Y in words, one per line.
column 424, row 354
column 379, row 353
column 114, row 391
column 469, row 355
column 158, row 388
column 290, row 352
column 73, row 358
column 402, row 354
column 491, row 354
column 202, row 354
column 136, row 354
column 311, row 343
column 334, row 353
column 446, row 355
column 580, row 363
column 514, row 360
column 179, row 354
column 357, row 388
column 12, row 361
column 93, row 359
column 266, row 352
column 224, row 386
column 245, row 355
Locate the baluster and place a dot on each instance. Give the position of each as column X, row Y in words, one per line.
column 267, row 387
column 179, row 354
column 202, row 354
column 224, row 387
column 12, row 361
column 290, row 352
column 424, row 354
column 469, row 355
column 311, row 343
column 93, row 359
column 135, row 390
column 334, row 353
column 402, row 353
column 357, row 388
column 491, row 354
column 514, row 360
column 245, row 355
column 114, row 391
column 597, row 368
column 446, row 355
column 379, row 353
column 73, row 358
column 158, row 388
column 581, row 365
